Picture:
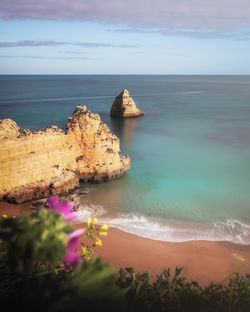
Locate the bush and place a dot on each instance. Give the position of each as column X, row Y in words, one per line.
column 41, row 270
column 173, row 292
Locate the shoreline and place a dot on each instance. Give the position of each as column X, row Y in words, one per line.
column 203, row 261
column 181, row 231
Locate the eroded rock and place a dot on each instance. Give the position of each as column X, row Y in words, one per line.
column 34, row 164
column 125, row 107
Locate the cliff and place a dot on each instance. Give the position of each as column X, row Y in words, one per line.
column 35, row 164
column 124, row 106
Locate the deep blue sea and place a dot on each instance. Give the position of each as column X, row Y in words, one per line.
column 190, row 152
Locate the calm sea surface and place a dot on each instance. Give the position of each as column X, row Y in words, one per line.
column 190, row 153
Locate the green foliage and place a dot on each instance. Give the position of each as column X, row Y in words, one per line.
column 34, row 238
column 91, row 286
column 32, row 274
column 95, row 286
column 174, row 293
column 94, row 275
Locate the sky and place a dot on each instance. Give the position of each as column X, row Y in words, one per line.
column 172, row 37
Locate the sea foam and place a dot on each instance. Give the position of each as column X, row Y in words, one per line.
column 230, row 230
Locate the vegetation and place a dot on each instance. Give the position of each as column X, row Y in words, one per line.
column 173, row 293
column 41, row 269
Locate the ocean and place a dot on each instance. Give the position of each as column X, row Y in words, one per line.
column 190, row 152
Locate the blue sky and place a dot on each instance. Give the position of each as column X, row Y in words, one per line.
column 125, row 37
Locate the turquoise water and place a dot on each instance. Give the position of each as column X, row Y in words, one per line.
column 190, row 152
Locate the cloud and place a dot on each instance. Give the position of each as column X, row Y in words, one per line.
column 45, row 57
column 193, row 14
column 103, row 45
column 34, row 43
column 72, row 52
column 31, row 43
column 193, row 33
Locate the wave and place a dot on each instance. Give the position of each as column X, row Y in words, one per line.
column 191, row 92
column 57, row 99
column 90, row 211
column 90, row 97
column 230, row 230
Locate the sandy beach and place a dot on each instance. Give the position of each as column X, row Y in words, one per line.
column 203, row 261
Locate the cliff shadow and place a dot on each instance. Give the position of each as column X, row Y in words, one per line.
column 125, row 130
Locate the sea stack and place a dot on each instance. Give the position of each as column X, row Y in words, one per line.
column 35, row 164
column 125, row 107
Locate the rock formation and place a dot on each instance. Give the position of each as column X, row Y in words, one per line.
column 124, row 106
column 35, row 164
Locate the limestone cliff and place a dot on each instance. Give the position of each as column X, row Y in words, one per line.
column 34, row 164
column 124, row 106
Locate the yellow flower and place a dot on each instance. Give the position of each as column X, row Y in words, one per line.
column 89, row 221
column 104, row 227
column 84, row 250
column 4, row 216
column 103, row 233
column 95, row 220
column 98, row 243
column 238, row 257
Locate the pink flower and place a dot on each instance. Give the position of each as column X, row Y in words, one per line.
column 71, row 258
column 62, row 207
column 74, row 238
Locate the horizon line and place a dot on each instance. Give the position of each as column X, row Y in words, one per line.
column 124, row 74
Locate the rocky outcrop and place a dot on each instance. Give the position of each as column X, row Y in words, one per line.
column 35, row 164
column 125, row 107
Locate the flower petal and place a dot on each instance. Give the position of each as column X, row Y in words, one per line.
column 104, row 227
column 71, row 216
column 74, row 239
column 65, row 207
column 71, row 259
column 62, row 207
column 53, row 202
